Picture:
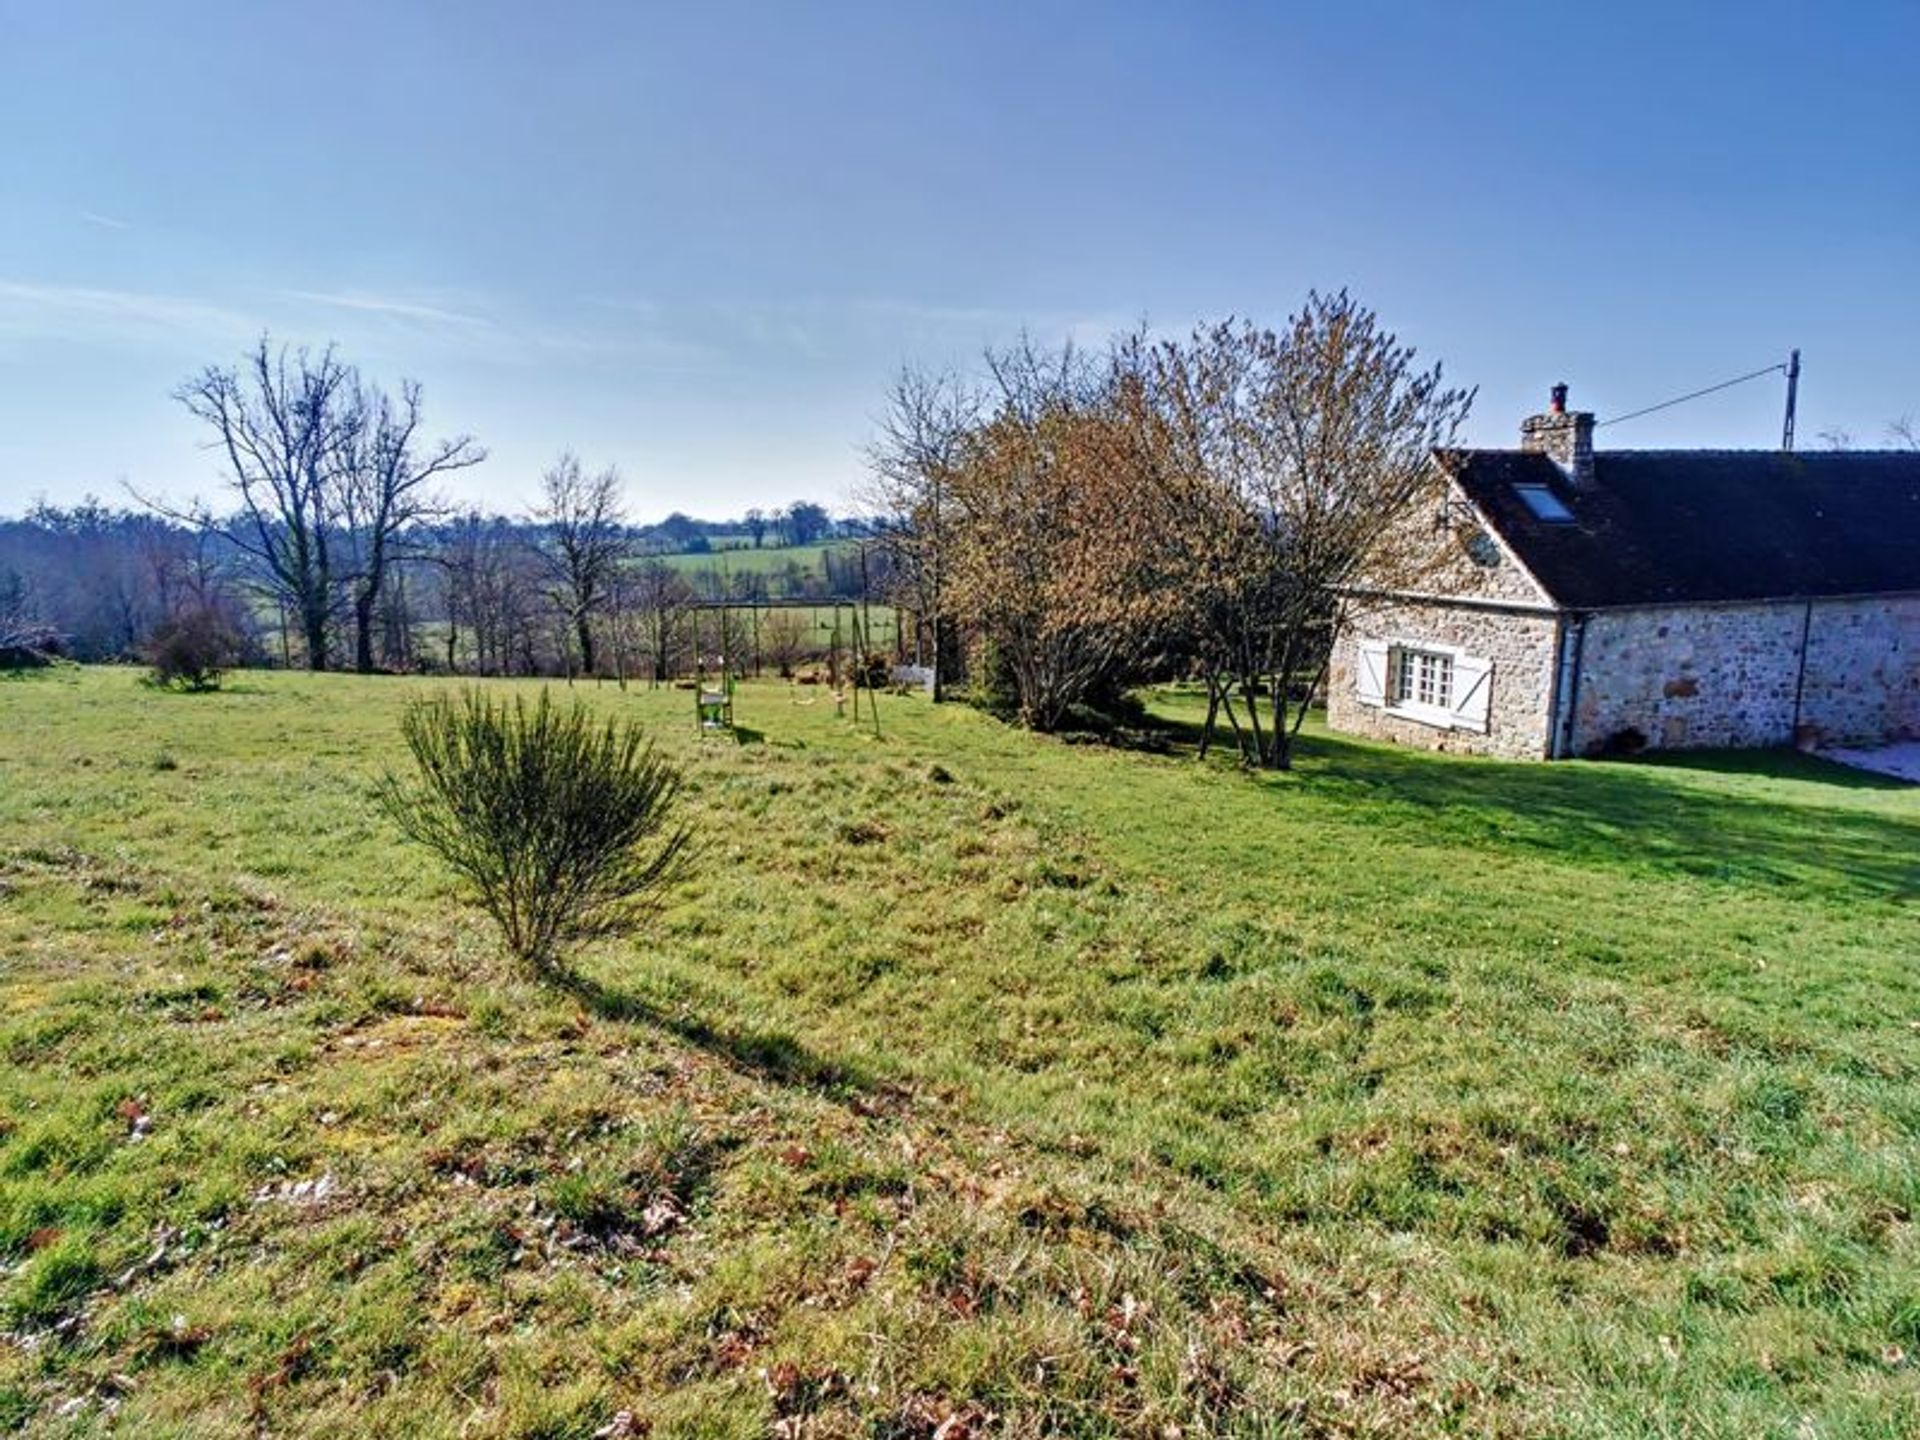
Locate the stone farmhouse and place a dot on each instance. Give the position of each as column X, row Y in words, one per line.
column 1551, row 601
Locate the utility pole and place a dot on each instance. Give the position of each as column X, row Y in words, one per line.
column 1793, row 392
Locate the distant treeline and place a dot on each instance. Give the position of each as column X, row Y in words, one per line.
column 99, row 581
column 801, row 523
column 472, row 592
column 338, row 547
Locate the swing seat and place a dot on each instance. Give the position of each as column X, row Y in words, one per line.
column 715, row 708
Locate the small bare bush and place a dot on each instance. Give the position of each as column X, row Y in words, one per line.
column 563, row 827
column 194, row 650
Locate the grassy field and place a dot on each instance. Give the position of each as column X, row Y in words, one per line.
column 975, row 1084
column 710, row 572
column 769, row 560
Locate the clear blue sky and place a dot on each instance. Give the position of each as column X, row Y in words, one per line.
column 695, row 240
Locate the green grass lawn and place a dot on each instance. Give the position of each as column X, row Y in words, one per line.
column 975, row 1083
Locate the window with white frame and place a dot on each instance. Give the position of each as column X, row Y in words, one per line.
column 1422, row 678
column 1424, row 681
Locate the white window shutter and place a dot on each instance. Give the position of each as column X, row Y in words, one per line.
column 1370, row 672
column 1473, row 693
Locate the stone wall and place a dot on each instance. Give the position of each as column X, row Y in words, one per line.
column 1688, row 676
column 1437, row 546
column 1863, row 671
column 1698, row 676
column 1522, row 646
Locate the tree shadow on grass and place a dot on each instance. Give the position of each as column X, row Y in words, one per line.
column 768, row 1054
column 1659, row 812
column 227, row 686
column 1781, row 764
column 1648, row 813
column 55, row 670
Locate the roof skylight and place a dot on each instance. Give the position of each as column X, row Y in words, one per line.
column 1544, row 504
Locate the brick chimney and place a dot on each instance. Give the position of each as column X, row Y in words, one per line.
column 1563, row 436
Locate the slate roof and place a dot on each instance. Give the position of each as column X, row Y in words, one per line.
column 1679, row 526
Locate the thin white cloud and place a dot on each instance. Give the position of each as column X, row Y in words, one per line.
column 393, row 307
column 105, row 222
column 964, row 316
column 480, row 328
column 700, row 331
column 632, row 305
column 646, row 351
column 60, row 311
column 738, row 334
column 914, row 320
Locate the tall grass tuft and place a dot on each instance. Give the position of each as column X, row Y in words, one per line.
column 563, row 827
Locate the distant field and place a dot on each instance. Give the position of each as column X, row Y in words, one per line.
column 766, row 561
column 974, row 1084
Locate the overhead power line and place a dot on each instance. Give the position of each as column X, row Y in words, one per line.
column 1682, row 399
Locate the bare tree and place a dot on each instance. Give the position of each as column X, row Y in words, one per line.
column 492, row 591
column 99, row 576
column 1902, row 434
column 395, row 619
column 281, row 421
column 922, row 442
column 385, row 490
column 182, row 567
column 756, row 522
column 460, row 555
column 586, row 541
column 105, row 579
column 731, row 636
column 784, row 633
column 618, row 622
column 662, row 600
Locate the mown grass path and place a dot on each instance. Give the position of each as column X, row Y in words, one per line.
column 975, row 1079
